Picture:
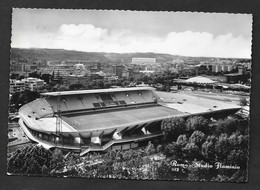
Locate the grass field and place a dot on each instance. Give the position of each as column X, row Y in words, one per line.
column 118, row 117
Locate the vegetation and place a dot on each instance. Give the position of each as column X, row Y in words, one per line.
column 243, row 101
column 61, row 54
column 35, row 160
column 18, row 99
column 225, row 142
column 195, row 150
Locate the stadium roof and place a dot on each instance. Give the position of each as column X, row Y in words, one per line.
column 200, row 79
column 233, row 74
column 78, row 92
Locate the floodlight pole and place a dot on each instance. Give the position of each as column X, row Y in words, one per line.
column 58, row 118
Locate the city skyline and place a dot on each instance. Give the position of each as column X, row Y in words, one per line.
column 176, row 33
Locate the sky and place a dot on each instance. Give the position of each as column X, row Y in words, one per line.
column 176, row 33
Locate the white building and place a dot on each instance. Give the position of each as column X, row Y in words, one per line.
column 33, row 83
column 16, row 86
column 139, row 60
column 111, row 78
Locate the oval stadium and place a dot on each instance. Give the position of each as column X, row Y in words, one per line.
column 104, row 119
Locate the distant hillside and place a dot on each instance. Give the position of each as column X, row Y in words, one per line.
column 60, row 54
column 65, row 55
column 56, row 54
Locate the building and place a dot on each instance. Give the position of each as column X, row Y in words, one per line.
column 100, row 120
column 111, row 78
column 95, row 67
column 33, row 83
column 75, row 79
column 25, row 84
column 118, row 70
column 22, row 68
column 227, row 68
column 143, row 61
column 200, row 80
column 17, row 68
column 61, row 73
column 221, row 68
column 214, row 69
column 80, row 70
column 16, row 86
column 147, row 72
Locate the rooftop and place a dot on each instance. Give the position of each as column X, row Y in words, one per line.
column 233, row 74
column 78, row 92
column 200, row 79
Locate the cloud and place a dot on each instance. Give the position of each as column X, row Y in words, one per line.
column 87, row 37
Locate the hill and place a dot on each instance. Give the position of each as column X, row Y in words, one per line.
column 56, row 54
column 63, row 55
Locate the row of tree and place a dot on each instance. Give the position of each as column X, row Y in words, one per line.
column 198, row 140
column 173, row 127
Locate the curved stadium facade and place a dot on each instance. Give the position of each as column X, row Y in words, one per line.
column 99, row 120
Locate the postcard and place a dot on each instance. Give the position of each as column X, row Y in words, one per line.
column 129, row 94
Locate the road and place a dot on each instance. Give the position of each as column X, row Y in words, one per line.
column 16, row 137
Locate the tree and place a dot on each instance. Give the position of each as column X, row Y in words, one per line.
column 21, row 77
column 193, row 174
column 21, row 98
column 29, row 160
column 44, row 170
column 159, row 148
column 46, row 78
column 163, row 171
column 173, row 150
column 239, row 151
column 57, row 160
column 150, row 149
column 28, row 96
column 182, row 140
column 35, row 160
column 228, row 125
column 76, row 86
column 197, row 123
column 208, row 148
column 222, row 148
column 173, row 127
column 191, row 151
column 34, row 74
column 14, row 76
column 125, row 83
column 197, row 138
column 14, row 99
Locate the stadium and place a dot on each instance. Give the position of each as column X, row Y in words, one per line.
column 104, row 119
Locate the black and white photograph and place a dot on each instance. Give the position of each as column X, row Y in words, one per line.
column 120, row 94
